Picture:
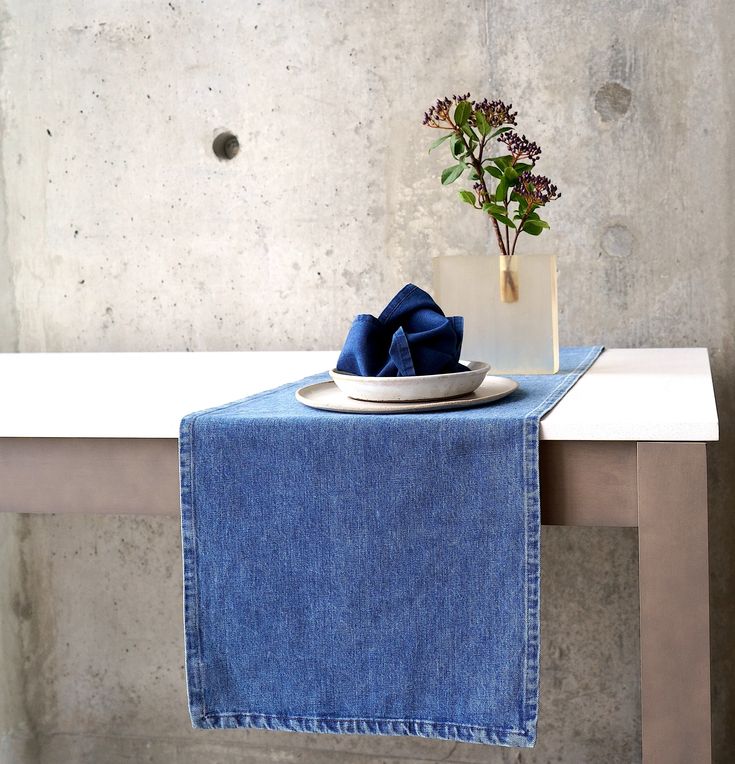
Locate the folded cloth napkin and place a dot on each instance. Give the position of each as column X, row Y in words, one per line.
column 366, row 574
column 411, row 336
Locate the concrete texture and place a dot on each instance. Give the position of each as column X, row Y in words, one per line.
column 18, row 740
column 120, row 230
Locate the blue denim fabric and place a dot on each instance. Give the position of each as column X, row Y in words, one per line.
column 411, row 336
column 366, row 574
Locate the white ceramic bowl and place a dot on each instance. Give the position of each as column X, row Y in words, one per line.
column 428, row 387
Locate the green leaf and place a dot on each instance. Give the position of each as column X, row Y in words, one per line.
column 495, row 210
column 503, row 162
column 510, row 174
column 451, row 174
column 439, row 141
column 515, row 197
column 462, row 112
column 500, row 132
column 482, row 124
column 533, row 216
column 534, row 227
column 494, row 171
column 457, row 147
column 471, row 134
column 520, row 167
column 503, row 219
column 474, row 176
column 467, row 196
column 501, row 190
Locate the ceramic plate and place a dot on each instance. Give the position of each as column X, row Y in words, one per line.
column 328, row 397
column 428, row 387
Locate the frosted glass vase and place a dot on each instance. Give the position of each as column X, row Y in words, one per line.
column 509, row 308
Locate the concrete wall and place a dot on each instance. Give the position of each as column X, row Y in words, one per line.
column 121, row 231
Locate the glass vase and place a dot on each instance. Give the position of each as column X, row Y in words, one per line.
column 509, row 307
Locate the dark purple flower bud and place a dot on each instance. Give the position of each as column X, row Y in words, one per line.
column 520, row 147
column 536, row 189
column 479, row 190
column 438, row 114
column 496, row 113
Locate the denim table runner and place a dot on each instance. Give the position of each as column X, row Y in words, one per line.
column 366, row 574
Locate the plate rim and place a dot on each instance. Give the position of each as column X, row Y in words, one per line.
column 356, row 406
column 402, row 380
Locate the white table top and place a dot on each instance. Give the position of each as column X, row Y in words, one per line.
column 661, row 394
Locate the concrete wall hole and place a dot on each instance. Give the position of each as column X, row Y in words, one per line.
column 226, row 145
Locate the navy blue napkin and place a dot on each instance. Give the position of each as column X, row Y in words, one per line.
column 411, row 336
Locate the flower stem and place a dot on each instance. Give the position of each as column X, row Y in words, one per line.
column 477, row 167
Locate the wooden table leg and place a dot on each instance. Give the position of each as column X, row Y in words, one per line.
column 674, row 594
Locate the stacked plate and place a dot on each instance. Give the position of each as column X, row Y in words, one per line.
column 350, row 393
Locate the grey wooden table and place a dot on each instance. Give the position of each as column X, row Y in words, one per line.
column 626, row 447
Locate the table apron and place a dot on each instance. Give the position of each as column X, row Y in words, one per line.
column 591, row 483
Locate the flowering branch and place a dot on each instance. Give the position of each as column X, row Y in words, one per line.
column 470, row 128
